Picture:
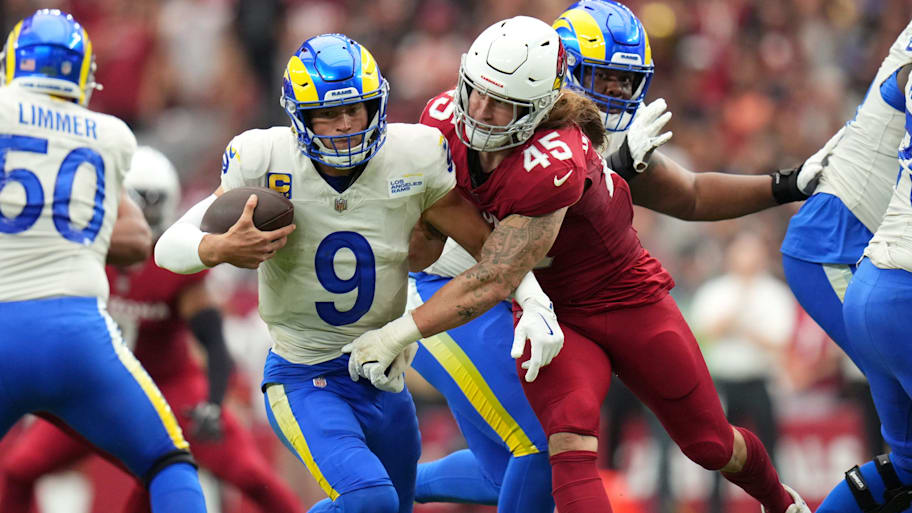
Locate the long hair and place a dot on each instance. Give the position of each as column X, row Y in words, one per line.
column 573, row 107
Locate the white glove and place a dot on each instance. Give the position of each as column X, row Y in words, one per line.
column 394, row 380
column 538, row 324
column 643, row 136
column 809, row 172
column 380, row 346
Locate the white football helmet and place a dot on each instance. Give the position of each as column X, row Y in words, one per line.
column 518, row 61
column 153, row 183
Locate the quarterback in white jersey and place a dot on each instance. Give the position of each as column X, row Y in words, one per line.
column 61, row 173
column 876, row 311
column 340, row 271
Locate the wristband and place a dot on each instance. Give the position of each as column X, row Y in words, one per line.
column 530, row 290
column 621, row 162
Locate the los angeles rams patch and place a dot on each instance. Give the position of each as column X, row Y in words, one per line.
column 406, row 185
column 279, row 182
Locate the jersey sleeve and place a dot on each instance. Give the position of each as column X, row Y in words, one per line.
column 441, row 176
column 551, row 173
column 125, row 146
column 244, row 160
column 439, row 111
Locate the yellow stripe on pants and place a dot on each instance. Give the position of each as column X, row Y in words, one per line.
column 458, row 365
column 281, row 410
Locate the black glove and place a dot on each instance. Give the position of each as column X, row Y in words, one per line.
column 786, row 185
column 206, row 422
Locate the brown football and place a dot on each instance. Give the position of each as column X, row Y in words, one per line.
column 273, row 210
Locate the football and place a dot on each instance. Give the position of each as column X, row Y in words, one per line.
column 273, row 210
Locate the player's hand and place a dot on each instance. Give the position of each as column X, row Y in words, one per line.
column 206, row 422
column 393, row 380
column 645, row 133
column 539, row 325
column 380, row 346
column 243, row 245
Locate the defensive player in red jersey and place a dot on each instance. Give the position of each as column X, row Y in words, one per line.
column 522, row 158
column 154, row 307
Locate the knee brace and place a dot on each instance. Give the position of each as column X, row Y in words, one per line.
column 897, row 496
column 710, row 455
column 170, row 458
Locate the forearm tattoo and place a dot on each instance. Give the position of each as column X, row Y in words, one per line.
column 512, row 249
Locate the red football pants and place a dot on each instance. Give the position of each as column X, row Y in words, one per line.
column 653, row 351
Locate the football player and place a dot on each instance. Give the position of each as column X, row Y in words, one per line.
column 62, row 352
column 358, row 185
column 827, row 237
column 520, row 156
column 154, row 309
column 833, row 231
column 610, row 61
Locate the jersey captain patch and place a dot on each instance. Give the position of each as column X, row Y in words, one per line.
column 279, row 182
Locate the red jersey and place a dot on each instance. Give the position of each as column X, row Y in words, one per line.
column 144, row 303
column 597, row 262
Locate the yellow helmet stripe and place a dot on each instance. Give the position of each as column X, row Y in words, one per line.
column 590, row 37
column 370, row 76
column 11, row 52
column 86, row 67
column 301, row 82
column 647, row 52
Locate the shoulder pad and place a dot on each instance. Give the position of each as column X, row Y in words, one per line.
column 439, row 110
column 246, row 155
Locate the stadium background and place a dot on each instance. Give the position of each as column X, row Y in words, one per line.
column 754, row 85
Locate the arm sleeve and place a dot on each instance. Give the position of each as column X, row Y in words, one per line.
column 206, row 326
column 178, row 248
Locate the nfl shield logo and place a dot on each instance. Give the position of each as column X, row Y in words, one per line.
column 319, row 382
column 341, row 204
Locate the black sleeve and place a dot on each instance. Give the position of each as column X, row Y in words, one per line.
column 206, row 326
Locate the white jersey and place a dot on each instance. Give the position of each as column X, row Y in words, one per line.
column 61, row 169
column 891, row 246
column 344, row 270
column 862, row 167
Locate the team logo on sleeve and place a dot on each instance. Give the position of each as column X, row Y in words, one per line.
column 449, row 154
column 279, row 182
column 229, row 155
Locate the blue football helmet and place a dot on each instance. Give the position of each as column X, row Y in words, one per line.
column 605, row 35
column 327, row 71
column 50, row 52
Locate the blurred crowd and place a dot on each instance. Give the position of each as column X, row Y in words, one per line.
column 754, row 85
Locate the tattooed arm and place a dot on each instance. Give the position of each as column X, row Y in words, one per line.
column 512, row 249
column 504, row 260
